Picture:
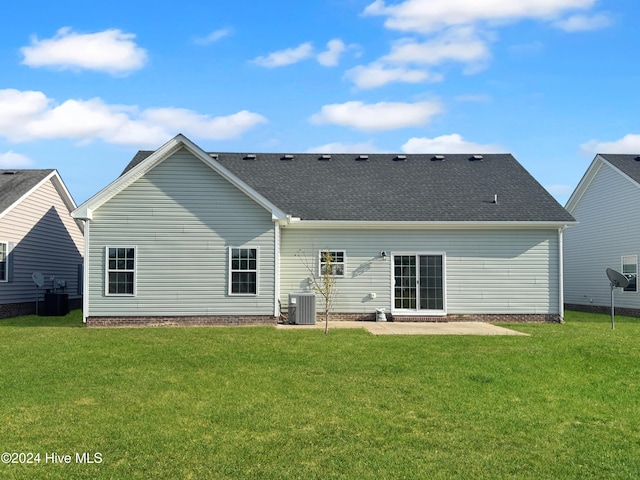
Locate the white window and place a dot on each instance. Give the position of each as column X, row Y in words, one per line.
column 630, row 270
column 336, row 260
column 4, row 262
column 243, row 271
column 121, row 271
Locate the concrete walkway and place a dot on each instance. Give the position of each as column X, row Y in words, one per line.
column 414, row 328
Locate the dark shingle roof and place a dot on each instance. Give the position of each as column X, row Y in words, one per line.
column 626, row 163
column 15, row 183
column 389, row 187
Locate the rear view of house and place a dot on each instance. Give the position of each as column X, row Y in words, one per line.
column 189, row 237
column 37, row 235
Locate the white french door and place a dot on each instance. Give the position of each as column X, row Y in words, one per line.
column 419, row 284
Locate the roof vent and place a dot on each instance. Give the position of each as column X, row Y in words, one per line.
column 214, row 155
column 475, row 158
column 287, row 157
column 438, row 158
column 10, row 172
column 325, row 156
column 400, row 158
column 250, row 156
column 638, row 158
column 362, row 157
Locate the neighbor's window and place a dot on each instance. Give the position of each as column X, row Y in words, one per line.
column 121, row 270
column 243, row 275
column 3, row 262
column 336, row 260
column 630, row 270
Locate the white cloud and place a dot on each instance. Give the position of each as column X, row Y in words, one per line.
column 29, row 115
column 14, row 160
column 214, row 36
column 377, row 116
column 202, row 126
column 110, row 51
column 288, row 56
column 583, row 23
column 377, row 75
column 434, row 15
column 462, row 31
column 331, row 56
column 460, row 45
column 453, row 143
column 630, row 144
column 338, row 147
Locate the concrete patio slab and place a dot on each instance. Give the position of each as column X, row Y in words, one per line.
column 415, row 328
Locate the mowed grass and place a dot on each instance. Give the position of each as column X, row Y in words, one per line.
column 257, row 402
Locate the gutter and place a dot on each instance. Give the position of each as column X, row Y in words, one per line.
column 85, row 273
column 561, row 273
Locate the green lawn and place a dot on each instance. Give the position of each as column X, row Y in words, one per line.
column 257, row 402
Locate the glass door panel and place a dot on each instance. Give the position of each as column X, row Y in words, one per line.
column 431, row 292
column 405, row 291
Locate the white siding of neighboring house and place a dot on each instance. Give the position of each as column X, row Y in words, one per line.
column 181, row 216
column 487, row 270
column 45, row 239
column 608, row 228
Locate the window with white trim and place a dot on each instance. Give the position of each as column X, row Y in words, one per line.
column 630, row 270
column 243, row 271
column 121, row 270
column 336, row 259
column 4, row 262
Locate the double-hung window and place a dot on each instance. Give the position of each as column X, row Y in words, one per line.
column 630, row 270
column 121, row 270
column 243, row 271
column 4, row 261
column 334, row 260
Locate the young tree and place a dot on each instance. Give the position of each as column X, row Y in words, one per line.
column 323, row 280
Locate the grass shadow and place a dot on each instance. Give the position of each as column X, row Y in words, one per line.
column 72, row 319
column 573, row 316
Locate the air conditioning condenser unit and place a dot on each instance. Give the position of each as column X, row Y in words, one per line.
column 302, row 308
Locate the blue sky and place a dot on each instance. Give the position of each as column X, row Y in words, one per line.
column 85, row 85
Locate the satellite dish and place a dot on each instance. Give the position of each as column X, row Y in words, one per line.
column 38, row 279
column 617, row 279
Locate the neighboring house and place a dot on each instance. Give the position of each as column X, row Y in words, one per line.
column 190, row 237
column 605, row 204
column 37, row 234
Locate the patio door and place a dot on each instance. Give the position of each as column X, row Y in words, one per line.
column 419, row 284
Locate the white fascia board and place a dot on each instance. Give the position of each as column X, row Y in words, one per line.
column 471, row 225
column 85, row 211
column 598, row 162
column 277, row 213
column 584, row 182
column 58, row 184
column 68, row 200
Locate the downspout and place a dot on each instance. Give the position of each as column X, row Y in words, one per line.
column 85, row 273
column 276, row 270
column 561, row 273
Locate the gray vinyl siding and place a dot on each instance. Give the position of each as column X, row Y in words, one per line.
column 608, row 228
column 487, row 271
column 181, row 217
column 45, row 239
